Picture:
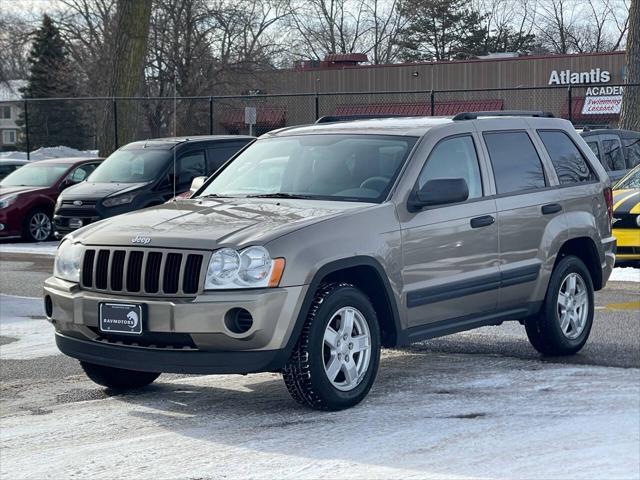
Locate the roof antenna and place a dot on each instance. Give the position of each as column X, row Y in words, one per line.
column 174, row 172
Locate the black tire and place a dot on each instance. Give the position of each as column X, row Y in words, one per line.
column 118, row 378
column 304, row 374
column 27, row 233
column 544, row 330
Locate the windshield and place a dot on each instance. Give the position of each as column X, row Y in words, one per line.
column 329, row 167
column 131, row 166
column 630, row 181
column 35, row 175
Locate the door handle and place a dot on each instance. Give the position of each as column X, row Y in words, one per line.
column 483, row 221
column 551, row 208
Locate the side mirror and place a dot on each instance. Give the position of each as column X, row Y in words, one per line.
column 66, row 183
column 196, row 183
column 440, row 191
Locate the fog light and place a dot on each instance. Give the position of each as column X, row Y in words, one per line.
column 75, row 223
column 238, row 320
column 1, row 227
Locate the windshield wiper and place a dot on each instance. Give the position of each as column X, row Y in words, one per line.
column 213, row 195
column 278, row 195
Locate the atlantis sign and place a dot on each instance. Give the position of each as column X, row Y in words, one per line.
column 566, row 77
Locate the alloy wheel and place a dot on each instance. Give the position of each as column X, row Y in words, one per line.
column 40, row 226
column 573, row 305
column 346, row 348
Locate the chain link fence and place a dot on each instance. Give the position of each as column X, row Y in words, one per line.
column 104, row 124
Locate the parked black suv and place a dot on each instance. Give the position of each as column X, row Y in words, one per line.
column 618, row 150
column 140, row 175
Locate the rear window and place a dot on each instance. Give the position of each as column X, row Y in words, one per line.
column 515, row 161
column 568, row 161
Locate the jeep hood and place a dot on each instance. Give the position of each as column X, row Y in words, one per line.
column 212, row 223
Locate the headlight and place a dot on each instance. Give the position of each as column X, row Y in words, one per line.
column 6, row 201
column 119, row 200
column 67, row 263
column 638, row 220
column 252, row 267
column 58, row 203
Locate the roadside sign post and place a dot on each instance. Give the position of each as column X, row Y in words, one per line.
column 250, row 117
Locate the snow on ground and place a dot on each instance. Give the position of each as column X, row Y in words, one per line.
column 431, row 416
column 39, row 248
column 22, row 318
column 625, row 274
column 49, row 152
column 428, row 416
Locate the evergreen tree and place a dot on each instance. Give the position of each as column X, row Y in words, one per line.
column 441, row 29
column 56, row 122
column 452, row 30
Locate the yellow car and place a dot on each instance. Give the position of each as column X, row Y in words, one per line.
column 626, row 216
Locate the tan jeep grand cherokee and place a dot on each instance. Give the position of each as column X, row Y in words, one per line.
column 317, row 245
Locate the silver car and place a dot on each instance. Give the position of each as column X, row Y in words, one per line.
column 318, row 245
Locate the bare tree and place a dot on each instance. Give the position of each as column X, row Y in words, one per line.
column 15, row 33
column 569, row 26
column 87, row 27
column 328, row 26
column 630, row 115
column 382, row 39
column 131, row 32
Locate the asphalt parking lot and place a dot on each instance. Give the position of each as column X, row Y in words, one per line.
column 476, row 393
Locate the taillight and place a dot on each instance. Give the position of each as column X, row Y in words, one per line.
column 608, row 197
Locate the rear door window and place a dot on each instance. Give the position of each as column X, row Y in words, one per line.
column 191, row 165
column 632, row 148
column 612, row 154
column 217, row 156
column 515, row 161
column 593, row 145
column 568, row 161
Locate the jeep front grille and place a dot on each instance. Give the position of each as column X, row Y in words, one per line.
column 142, row 271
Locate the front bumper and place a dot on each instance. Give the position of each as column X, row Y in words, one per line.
column 628, row 243
column 167, row 361
column 10, row 225
column 61, row 223
column 210, row 347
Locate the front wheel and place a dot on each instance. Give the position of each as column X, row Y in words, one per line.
column 335, row 361
column 118, row 378
column 37, row 226
column 563, row 325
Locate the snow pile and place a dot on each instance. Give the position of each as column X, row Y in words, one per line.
column 44, row 153
column 22, row 318
column 625, row 274
column 39, row 248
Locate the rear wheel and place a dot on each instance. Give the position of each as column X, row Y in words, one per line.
column 335, row 361
column 564, row 322
column 37, row 226
column 118, row 378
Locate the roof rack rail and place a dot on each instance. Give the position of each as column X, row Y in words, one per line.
column 346, row 118
column 503, row 113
